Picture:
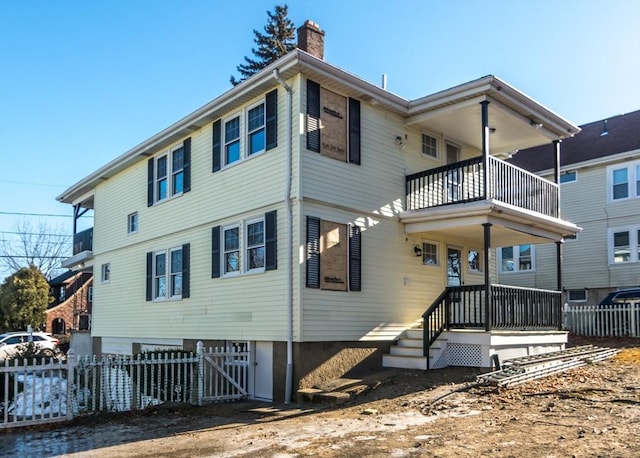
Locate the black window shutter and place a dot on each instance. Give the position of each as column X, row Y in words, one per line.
column 186, row 148
column 217, row 145
column 271, row 128
column 186, row 260
column 271, row 241
column 215, row 252
column 354, row 131
column 149, row 276
column 355, row 265
column 150, row 179
column 313, row 252
column 313, row 116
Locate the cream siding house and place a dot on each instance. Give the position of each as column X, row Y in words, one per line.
column 317, row 217
column 600, row 191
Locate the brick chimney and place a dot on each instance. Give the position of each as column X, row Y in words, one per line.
column 311, row 39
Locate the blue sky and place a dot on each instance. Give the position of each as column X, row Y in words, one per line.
column 83, row 81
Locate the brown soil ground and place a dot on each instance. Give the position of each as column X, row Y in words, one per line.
column 591, row 411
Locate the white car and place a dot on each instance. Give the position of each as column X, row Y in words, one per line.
column 12, row 342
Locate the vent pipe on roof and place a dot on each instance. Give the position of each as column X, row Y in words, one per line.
column 384, row 81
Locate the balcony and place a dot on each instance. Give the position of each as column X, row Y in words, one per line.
column 464, row 182
column 83, row 241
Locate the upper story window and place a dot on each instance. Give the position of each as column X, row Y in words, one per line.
column 132, row 223
column 569, row 177
column 245, row 134
column 332, row 124
column 429, row 145
column 517, row 258
column 624, row 181
column 624, row 245
column 168, row 274
column 232, row 140
column 247, row 247
column 255, row 130
column 169, row 174
column 61, row 295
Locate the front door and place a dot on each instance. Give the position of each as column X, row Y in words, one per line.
column 454, row 266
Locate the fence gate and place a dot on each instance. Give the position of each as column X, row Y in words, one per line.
column 226, row 372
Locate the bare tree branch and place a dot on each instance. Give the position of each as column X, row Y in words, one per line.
column 44, row 247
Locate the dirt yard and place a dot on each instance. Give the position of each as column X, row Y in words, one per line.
column 592, row 411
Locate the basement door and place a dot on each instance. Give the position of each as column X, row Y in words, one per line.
column 263, row 371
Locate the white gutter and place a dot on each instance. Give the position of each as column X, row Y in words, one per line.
column 289, row 248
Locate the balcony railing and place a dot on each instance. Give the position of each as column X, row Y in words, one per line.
column 83, row 241
column 464, row 182
column 510, row 308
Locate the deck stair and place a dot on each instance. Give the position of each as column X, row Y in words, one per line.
column 519, row 370
column 408, row 351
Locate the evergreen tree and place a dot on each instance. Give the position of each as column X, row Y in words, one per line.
column 24, row 297
column 277, row 41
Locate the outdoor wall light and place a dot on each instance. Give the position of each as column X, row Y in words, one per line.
column 417, row 250
column 399, row 141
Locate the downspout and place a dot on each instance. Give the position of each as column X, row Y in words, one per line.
column 289, row 247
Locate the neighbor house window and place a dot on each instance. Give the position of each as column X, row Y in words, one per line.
column 90, row 294
column 61, row 296
column 624, row 181
column 169, row 174
column 473, row 261
column 132, row 223
column 518, row 258
column 249, row 246
column 430, row 254
column 577, row 295
column 569, row 177
column 429, row 145
column 624, row 245
column 105, row 273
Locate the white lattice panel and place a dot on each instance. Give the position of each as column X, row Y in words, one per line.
column 464, row 354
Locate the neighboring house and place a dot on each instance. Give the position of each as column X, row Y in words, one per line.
column 600, row 192
column 71, row 306
column 315, row 217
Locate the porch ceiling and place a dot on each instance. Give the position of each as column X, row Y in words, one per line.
column 510, row 225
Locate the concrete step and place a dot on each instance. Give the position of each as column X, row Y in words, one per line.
column 404, row 342
column 406, row 351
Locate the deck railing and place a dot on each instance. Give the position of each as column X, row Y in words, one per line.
column 510, row 308
column 83, row 241
column 463, row 182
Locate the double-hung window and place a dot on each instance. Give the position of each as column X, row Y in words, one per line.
column 624, row 245
column 624, row 181
column 255, row 130
column 429, row 145
column 246, row 133
column 232, row 140
column 430, row 254
column 255, row 245
column 231, row 247
column 518, row 258
column 169, row 174
column 177, row 171
column 132, row 223
column 249, row 246
column 167, row 274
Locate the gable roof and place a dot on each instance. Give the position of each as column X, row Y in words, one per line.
column 598, row 139
column 504, row 97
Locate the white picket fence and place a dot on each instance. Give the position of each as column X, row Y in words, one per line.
column 621, row 320
column 46, row 390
